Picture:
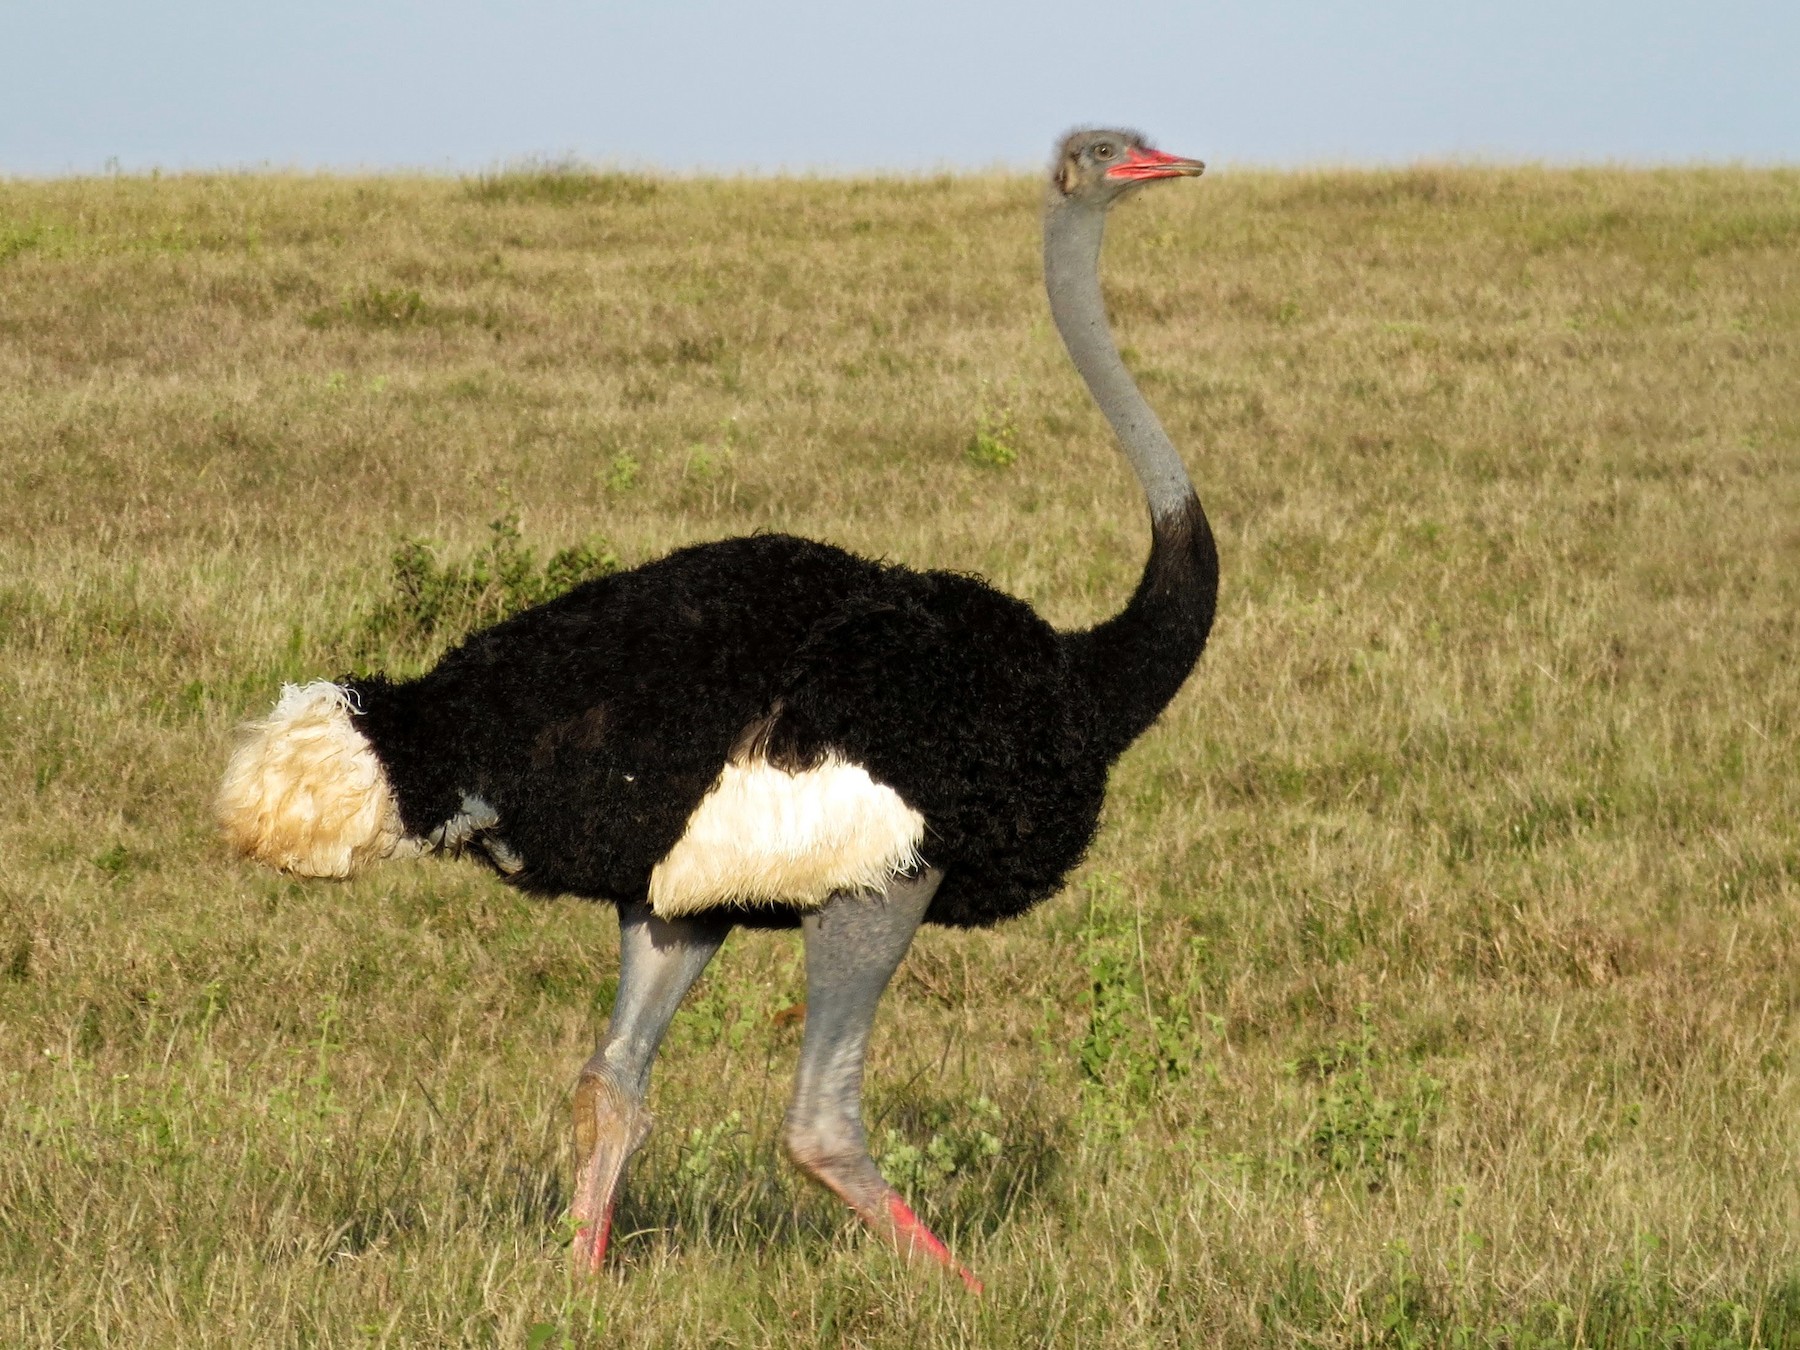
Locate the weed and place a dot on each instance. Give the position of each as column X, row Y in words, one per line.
column 959, row 1141
column 710, row 1149
column 708, row 463
column 432, row 599
column 1128, row 1051
column 995, row 444
column 116, row 862
column 1359, row 1129
column 620, row 475
column 718, row 1014
column 709, row 471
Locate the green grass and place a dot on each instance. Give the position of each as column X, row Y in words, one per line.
column 1436, row 977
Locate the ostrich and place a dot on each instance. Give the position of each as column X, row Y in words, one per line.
column 772, row 732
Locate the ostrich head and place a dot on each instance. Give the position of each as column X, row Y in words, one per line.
column 1098, row 166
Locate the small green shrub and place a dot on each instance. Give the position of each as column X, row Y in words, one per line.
column 995, row 444
column 959, row 1142
column 1128, row 1050
column 621, row 474
column 1361, row 1126
column 712, row 1153
column 116, row 862
column 433, row 598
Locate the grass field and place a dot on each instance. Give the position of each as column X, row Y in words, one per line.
column 1436, row 977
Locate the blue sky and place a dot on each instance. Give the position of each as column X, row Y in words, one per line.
column 802, row 85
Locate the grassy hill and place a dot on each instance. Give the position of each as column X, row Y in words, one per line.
column 1435, row 980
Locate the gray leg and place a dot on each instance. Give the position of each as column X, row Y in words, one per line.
column 659, row 960
column 853, row 946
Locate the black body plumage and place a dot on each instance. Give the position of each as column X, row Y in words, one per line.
column 595, row 723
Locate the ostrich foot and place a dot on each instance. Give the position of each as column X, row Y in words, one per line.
column 858, row 1183
column 853, row 946
column 609, row 1127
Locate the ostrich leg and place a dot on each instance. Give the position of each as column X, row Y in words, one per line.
column 853, row 946
column 659, row 960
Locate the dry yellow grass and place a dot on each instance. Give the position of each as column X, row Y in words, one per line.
column 1436, row 979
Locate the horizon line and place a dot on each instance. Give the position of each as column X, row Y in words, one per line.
column 580, row 164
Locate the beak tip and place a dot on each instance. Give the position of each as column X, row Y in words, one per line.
column 1149, row 165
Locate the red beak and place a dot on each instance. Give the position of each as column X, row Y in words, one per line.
column 1142, row 164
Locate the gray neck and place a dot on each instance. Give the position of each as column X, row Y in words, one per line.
column 1072, row 235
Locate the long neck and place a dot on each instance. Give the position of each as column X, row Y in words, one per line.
column 1135, row 662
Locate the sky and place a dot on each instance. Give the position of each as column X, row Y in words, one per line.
column 859, row 85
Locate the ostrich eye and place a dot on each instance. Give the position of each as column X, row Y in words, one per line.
column 1103, row 152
